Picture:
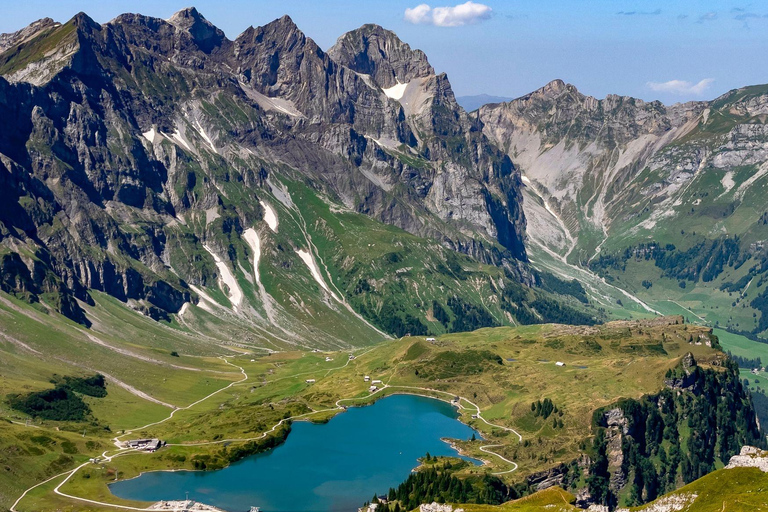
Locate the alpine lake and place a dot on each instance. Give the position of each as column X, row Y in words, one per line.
column 329, row 467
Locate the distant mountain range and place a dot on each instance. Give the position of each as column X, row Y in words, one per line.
column 471, row 103
column 667, row 202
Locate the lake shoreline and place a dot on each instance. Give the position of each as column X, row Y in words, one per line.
column 423, row 422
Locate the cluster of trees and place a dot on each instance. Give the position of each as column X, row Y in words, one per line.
column 62, row 403
column 544, row 408
column 554, row 284
column 95, row 386
column 234, row 453
column 440, row 485
column 745, row 362
column 718, row 414
column 393, row 319
column 528, row 310
column 760, row 303
column 705, row 260
column 440, row 314
column 468, row 317
column 739, row 285
column 760, row 401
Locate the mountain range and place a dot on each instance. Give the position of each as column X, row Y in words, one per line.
column 302, row 194
column 145, row 155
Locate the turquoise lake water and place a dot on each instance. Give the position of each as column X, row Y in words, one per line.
column 331, row 467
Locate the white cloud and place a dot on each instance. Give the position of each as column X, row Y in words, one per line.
column 682, row 87
column 419, row 14
column 467, row 13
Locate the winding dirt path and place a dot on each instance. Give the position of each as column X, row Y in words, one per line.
column 121, row 451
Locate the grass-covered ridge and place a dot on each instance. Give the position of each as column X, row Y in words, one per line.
column 40, row 47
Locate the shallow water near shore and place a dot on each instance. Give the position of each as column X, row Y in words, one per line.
column 332, row 467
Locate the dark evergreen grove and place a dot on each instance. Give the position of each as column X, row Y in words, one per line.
column 62, row 403
column 746, row 362
column 677, row 435
column 95, row 386
column 440, row 485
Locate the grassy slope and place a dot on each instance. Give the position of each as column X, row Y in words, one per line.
column 553, row 499
column 34, row 347
column 736, row 490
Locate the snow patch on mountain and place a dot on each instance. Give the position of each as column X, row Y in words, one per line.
column 252, row 238
column 727, row 182
column 150, row 135
column 179, row 139
column 226, row 277
column 270, row 103
column 205, row 136
column 269, row 216
column 310, row 262
column 396, row 91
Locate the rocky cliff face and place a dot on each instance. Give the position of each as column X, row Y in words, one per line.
column 624, row 168
column 580, row 154
column 606, row 178
column 472, row 182
column 136, row 155
column 380, row 54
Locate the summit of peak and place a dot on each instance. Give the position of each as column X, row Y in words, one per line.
column 203, row 32
column 380, row 53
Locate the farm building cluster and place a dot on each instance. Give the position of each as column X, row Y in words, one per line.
column 145, row 445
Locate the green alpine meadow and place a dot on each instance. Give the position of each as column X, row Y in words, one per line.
column 270, row 273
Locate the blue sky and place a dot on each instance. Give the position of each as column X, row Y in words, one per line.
column 673, row 50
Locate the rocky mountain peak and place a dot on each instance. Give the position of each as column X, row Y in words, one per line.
column 203, row 32
column 84, row 22
column 14, row 38
column 557, row 89
column 281, row 34
column 375, row 51
column 275, row 56
column 556, row 86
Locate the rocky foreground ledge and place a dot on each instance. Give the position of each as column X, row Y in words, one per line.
column 750, row 457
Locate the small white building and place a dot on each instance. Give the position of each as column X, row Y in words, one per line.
column 559, row 363
column 431, row 339
column 351, row 357
column 367, row 378
column 373, row 388
column 376, row 382
column 147, row 445
column 328, row 359
column 310, row 381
